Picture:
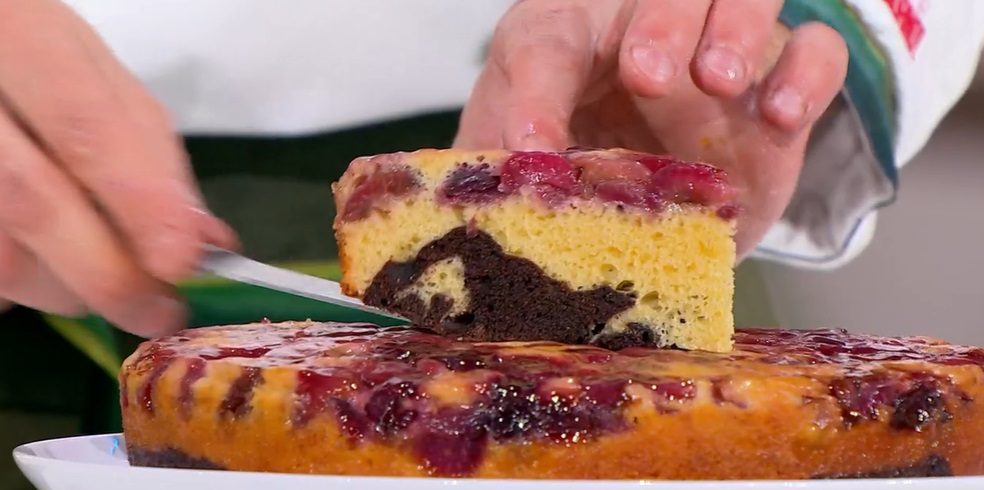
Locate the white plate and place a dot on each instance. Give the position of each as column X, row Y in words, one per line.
column 99, row 463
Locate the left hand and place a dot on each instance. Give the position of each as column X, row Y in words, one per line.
column 721, row 81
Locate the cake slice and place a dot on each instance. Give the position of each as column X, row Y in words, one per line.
column 604, row 247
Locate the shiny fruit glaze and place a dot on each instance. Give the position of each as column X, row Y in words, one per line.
column 375, row 189
column 386, row 384
column 627, row 179
column 618, row 177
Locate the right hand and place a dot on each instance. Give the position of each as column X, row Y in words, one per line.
column 99, row 211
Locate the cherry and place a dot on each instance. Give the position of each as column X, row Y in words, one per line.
column 385, row 408
column 656, row 163
column 237, row 400
column 596, row 167
column 919, row 407
column 629, row 193
column 453, row 444
column 551, row 175
column 693, row 183
column 374, row 189
column 470, row 184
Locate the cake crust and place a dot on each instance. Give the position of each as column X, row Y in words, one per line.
column 362, row 400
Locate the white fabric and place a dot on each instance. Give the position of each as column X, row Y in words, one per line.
column 301, row 66
column 831, row 219
column 298, row 66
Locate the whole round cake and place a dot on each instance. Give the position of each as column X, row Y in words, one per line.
column 357, row 399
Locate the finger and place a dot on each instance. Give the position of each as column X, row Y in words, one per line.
column 480, row 126
column 808, row 75
column 544, row 58
column 27, row 282
column 659, row 44
column 733, row 45
column 104, row 129
column 47, row 213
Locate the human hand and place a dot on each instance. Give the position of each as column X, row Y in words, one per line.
column 718, row 81
column 98, row 208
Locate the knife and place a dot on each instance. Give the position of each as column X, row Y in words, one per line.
column 235, row 267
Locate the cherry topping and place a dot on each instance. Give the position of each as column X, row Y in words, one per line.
column 656, row 163
column 195, row 371
column 860, row 398
column 244, row 352
column 374, row 189
column 375, row 382
column 145, row 394
column 596, row 168
column 551, row 175
column 353, row 422
column 728, row 212
column 471, row 184
column 917, row 408
column 313, row 394
column 453, row 445
column 693, row 183
column 629, row 193
column 386, row 411
column 237, row 400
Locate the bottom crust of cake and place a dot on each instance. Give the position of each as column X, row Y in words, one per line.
column 933, row 466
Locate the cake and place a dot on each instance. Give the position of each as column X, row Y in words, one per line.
column 612, row 248
column 357, row 399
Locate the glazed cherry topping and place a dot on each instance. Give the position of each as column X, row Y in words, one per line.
column 627, row 179
column 629, row 193
column 693, row 183
column 919, row 407
column 237, row 400
column 385, row 383
column 471, row 184
column 655, row 163
column 597, row 167
column 194, row 372
column 552, row 176
column 373, row 190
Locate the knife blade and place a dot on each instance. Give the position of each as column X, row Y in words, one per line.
column 235, row 267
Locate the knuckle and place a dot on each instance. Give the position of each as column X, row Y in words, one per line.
column 23, row 210
column 80, row 135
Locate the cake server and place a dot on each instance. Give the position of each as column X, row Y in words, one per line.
column 235, row 267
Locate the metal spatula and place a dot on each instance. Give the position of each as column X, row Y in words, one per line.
column 235, row 267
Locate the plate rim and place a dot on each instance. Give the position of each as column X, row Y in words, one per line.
column 25, row 454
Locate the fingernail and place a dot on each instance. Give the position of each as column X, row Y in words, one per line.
column 789, row 104
column 654, row 62
column 723, row 63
